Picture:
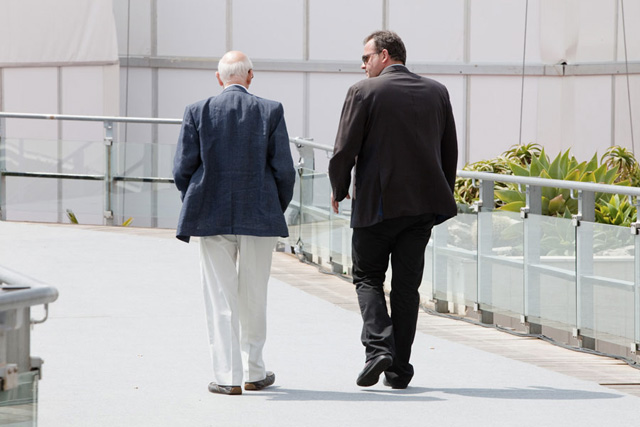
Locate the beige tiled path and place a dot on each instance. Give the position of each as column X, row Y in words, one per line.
column 605, row 371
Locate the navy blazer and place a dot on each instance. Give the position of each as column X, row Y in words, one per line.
column 233, row 167
column 398, row 131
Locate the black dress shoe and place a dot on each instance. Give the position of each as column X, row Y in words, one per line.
column 372, row 370
column 224, row 389
column 259, row 385
column 394, row 385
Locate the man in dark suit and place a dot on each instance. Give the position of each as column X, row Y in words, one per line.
column 235, row 174
column 397, row 129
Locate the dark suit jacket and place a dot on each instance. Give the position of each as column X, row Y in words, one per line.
column 233, row 167
column 399, row 132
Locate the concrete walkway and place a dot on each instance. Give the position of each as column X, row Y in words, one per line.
column 125, row 345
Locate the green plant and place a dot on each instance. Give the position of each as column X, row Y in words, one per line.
column 625, row 161
column 616, row 211
column 74, row 220
column 522, row 154
column 555, row 201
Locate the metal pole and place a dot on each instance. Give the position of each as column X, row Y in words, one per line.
column 108, row 173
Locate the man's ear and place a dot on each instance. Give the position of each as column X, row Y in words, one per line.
column 219, row 79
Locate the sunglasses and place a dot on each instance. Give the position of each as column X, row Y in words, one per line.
column 365, row 58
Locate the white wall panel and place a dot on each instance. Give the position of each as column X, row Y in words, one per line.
column 137, row 26
column 82, row 95
column 575, row 113
column 495, row 115
column 632, row 29
column 326, row 97
column 432, row 30
column 31, row 90
column 287, row 88
column 497, row 31
column 592, row 118
column 191, row 28
column 139, row 101
column 269, row 29
column 622, row 122
column 596, row 31
column 337, row 28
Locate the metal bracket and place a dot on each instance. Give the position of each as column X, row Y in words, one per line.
column 477, row 205
column 108, row 133
column 44, row 319
column 524, row 212
column 575, row 220
column 635, row 227
column 576, row 333
column 476, row 307
column 634, row 347
column 8, row 376
column 524, row 320
column 108, row 214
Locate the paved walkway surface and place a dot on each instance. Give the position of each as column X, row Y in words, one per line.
column 125, row 345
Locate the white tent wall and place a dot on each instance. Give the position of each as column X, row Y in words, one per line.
column 305, row 53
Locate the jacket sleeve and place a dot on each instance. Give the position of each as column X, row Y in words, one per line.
column 348, row 143
column 449, row 147
column 280, row 159
column 187, row 158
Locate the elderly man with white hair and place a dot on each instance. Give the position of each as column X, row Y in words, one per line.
column 235, row 174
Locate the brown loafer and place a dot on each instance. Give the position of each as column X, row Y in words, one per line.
column 225, row 389
column 259, row 385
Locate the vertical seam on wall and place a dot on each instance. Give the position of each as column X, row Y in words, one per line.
column 466, row 58
column 385, row 14
column 306, row 80
column 154, row 112
column 59, row 144
column 229, row 25
column 612, row 141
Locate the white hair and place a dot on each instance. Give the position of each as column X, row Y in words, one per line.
column 234, row 68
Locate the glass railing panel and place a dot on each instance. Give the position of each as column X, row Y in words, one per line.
column 47, row 200
column 146, row 204
column 54, row 156
column 144, row 159
column 500, row 262
column 454, row 265
column 606, row 286
column 550, row 272
column 315, row 225
column 341, row 233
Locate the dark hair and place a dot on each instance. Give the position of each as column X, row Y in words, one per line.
column 390, row 41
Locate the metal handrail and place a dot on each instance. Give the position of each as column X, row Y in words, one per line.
column 22, row 291
column 544, row 182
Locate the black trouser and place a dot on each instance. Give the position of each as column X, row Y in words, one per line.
column 405, row 240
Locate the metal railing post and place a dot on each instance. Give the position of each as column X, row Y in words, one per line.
column 584, row 261
column 635, row 230
column 108, row 173
column 531, row 253
column 485, row 245
column 3, row 168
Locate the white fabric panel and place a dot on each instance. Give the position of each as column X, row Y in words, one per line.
column 268, row 29
column 631, row 12
column 622, row 125
column 495, row 115
column 497, row 31
column 138, row 25
column 42, row 31
column 191, row 28
column 30, row 90
column 337, row 27
column 432, row 30
column 287, row 88
column 575, row 113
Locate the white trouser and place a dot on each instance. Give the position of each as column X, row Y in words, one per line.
column 235, row 272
